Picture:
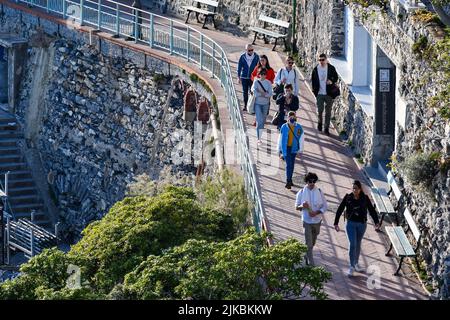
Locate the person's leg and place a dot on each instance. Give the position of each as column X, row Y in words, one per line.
column 328, row 106
column 351, row 235
column 360, row 230
column 290, row 170
column 309, row 242
column 259, row 110
column 246, row 86
column 316, row 231
column 320, row 103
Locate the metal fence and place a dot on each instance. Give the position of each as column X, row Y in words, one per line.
column 174, row 38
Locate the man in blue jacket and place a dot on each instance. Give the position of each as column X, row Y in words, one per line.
column 247, row 63
column 290, row 142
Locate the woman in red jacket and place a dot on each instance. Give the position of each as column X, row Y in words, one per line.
column 263, row 64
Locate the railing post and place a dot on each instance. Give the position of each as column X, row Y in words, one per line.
column 213, row 58
column 171, row 37
column 33, row 212
column 117, row 21
column 152, row 30
column 136, row 31
column 57, row 230
column 188, row 43
column 32, row 242
column 81, row 12
column 8, row 233
column 47, row 5
column 6, row 183
column 99, row 14
column 201, row 51
column 222, row 71
column 64, row 9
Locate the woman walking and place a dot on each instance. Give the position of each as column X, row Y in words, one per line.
column 263, row 64
column 286, row 102
column 262, row 89
column 356, row 204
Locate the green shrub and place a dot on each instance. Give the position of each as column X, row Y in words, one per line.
column 420, row 168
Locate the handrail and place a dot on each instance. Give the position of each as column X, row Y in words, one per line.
column 175, row 38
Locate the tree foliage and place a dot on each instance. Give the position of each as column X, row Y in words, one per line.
column 243, row 268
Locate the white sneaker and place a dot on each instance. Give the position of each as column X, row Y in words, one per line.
column 350, row 271
column 358, row 268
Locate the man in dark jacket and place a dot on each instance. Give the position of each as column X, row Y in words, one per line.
column 247, row 62
column 324, row 78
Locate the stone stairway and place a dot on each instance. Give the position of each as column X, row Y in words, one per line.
column 22, row 193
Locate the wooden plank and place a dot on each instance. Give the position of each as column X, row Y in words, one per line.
column 209, row 2
column 407, row 248
column 379, row 204
column 392, row 234
column 412, row 224
column 268, row 32
column 277, row 22
column 19, row 229
column 387, row 202
column 202, row 11
column 38, row 228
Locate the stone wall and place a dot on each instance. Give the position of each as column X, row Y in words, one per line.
column 101, row 111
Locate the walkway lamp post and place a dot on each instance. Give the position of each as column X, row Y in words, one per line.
column 294, row 18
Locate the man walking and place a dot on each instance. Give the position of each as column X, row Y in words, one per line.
column 313, row 205
column 247, row 62
column 324, row 78
column 290, row 142
column 287, row 75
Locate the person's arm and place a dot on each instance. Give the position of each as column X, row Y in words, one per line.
column 298, row 201
column 333, row 76
column 340, row 210
column 324, row 206
column 270, row 75
column 269, row 91
column 239, row 67
column 254, row 74
column 372, row 211
column 255, row 90
column 295, row 103
column 278, row 76
column 296, row 83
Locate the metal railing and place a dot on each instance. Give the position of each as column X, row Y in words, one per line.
column 174, row 38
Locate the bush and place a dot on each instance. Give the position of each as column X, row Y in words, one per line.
column 244, row 268
column 420, row 168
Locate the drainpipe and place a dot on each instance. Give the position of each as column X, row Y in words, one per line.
column 294, row 18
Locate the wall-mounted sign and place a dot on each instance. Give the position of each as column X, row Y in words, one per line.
column 385, row 102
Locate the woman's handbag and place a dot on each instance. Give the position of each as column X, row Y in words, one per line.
column 278, row 118
column 251, row 104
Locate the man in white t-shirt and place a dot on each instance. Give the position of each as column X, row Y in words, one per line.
column 313, row 205
column 323, row 78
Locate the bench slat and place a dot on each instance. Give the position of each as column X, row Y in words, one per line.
column 378, row 201
column 199, row 10
column 412, row 224
column 387, row 202
column 209, row 2
column 407, row 248
column 268, row 32
column 392, row 234
column 277, row 22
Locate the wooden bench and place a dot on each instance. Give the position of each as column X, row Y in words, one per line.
column 205, row 12
column 400, row 242
column 270, row 33
column 382, row 203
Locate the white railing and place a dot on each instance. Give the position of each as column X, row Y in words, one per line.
column 175, row 38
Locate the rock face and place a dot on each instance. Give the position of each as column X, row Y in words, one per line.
column 100, row 122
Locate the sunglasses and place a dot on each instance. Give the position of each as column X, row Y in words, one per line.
column 321, row 59
column 250, row 50
column 312, row 181
column 290, row 62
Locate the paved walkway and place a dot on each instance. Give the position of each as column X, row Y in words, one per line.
column 331, row 160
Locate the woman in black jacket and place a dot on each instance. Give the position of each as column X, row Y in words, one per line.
column 356, row 204
column 286, row 102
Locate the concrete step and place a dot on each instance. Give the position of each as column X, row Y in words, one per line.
column 7, row 158
column 17, row 174
column 10, row 134
column 23, row 199
column 9, row 150
column 21, row 191
column 21, row 183
column 12, row 166
column 26, row 207
column 8, row 142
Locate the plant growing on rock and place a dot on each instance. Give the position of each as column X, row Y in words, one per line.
column 420, row 169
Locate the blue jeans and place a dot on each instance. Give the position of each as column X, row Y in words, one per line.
column 261, row 115
column 246, row 86
column 355, row 233
column 290, row 161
